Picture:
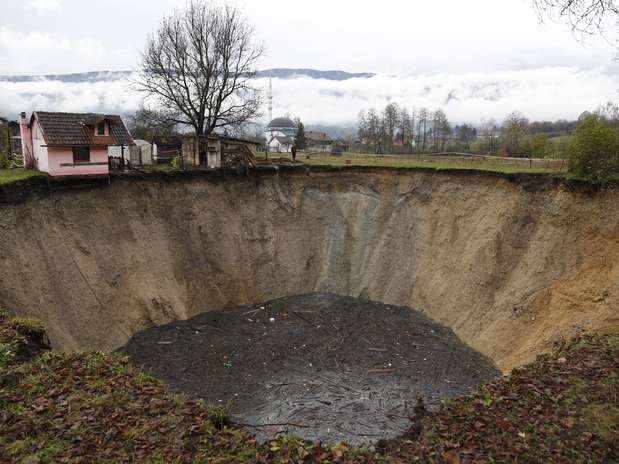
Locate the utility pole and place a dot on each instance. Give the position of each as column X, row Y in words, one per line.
column 270, row 99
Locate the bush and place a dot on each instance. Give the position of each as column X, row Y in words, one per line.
column 595, row 151
column 176, row 162
column 535, row 146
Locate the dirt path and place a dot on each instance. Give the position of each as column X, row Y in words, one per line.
column 318, row 366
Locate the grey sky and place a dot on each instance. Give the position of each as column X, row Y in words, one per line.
column 404, row 37
column 476, row 59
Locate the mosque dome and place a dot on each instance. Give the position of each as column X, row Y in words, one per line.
column 282, row 123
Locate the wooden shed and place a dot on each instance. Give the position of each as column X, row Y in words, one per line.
column 217, row 151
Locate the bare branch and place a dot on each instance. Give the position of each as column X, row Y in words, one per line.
column 585, row 17
column 199, row 64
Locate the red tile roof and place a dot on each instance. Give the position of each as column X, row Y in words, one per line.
column 317, row 137
column 70, row 129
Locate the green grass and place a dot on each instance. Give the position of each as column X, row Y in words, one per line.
column 13, row 175
column 435, row 162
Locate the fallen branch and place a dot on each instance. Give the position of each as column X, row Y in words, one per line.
column 281, row 424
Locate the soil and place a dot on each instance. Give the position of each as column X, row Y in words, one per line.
column 510, row 268
column 318, row 366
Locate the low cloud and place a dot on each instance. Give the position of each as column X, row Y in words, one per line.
column 113, row 96
column 541, row 94
column 548, row 93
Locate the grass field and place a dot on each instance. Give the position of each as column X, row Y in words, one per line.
column 436, row 162
column 12, row 175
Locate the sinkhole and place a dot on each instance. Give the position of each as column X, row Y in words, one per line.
column 319, row 366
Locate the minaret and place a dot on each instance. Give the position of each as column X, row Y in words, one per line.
column 270, row 100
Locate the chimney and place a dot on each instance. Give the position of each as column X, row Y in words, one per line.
column 26, row 138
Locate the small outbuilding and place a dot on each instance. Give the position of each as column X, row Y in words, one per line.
column 217, row 151
column 141, row 154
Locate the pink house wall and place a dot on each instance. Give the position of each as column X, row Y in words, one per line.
column 58, row 156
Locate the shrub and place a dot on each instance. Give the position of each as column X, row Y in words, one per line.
column 176, row 162
column 535, row 146
column 595, row 151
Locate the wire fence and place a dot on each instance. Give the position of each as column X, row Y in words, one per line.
column 547, row 163
column 444, row 160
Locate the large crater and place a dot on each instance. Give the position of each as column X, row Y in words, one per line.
column 508, row 267
column 317, row 366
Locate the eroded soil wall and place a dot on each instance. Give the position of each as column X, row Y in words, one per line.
column 509, row 268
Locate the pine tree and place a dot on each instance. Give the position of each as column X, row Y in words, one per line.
column 301, row 142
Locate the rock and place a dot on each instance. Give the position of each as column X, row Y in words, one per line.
column 32, row 459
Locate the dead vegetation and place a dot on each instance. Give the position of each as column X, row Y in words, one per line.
column 95, row 407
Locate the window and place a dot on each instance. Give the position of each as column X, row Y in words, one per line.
column 81, row 155
column 101, row 129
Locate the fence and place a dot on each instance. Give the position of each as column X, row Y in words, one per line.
column 559, row 165
column 444, row 160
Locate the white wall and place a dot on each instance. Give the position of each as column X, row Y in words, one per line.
column 116, row 152
column 40, row 152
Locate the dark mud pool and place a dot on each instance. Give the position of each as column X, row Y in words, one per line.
column 318, row 366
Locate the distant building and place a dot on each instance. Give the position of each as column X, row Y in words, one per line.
column 318, row 141
column 66, row 144
column 281, row 134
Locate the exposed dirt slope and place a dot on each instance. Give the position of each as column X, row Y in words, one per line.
column 508, row 268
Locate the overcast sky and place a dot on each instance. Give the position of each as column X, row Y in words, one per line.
column 452, row 41
column 401, row 37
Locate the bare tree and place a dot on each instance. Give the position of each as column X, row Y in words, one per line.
column 376, row 130
column 362, row 128
column 442, row 129
column 147, row 123
column 422, row 125
column 489, row 140
column 610, row 112
column 585, row 17
column 514, row 129
column 199, row 65
column 406, row 128
column 414, row 141
column 391, row 116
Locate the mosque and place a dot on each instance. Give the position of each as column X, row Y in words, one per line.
column 281, row 134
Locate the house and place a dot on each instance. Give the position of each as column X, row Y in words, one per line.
column 318, row 141
column 67, row 144
column 280, row 143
